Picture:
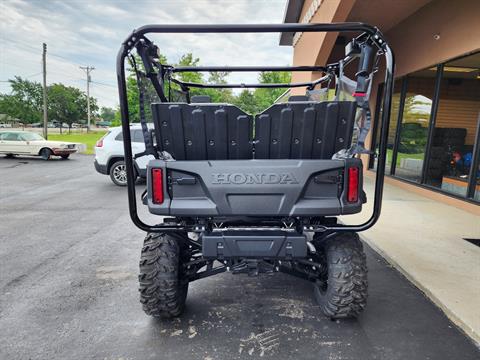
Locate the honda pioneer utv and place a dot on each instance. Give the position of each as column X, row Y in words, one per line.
column 255, row 193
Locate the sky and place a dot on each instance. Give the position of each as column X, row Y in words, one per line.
column 87, row 32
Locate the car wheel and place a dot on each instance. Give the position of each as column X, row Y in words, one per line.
column 118, row 173
column 45, row 153
column 10, row 156
column 65, row 157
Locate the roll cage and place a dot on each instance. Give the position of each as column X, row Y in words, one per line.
column 370, row 40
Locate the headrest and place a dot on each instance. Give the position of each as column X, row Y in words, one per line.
column 298, row 98
column 196, row 99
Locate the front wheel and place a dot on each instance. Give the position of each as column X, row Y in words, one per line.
column 65, row 157
column 341, row 290
column 45, row 153
column 163, row 287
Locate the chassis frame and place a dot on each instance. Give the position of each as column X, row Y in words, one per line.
column 377, row 39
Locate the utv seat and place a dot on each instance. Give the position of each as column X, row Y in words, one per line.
column 203, row 131
column 304, row 130
column 292, row 130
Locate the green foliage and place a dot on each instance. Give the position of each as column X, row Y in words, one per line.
column 25, row 101
column 246, row 101
column 266, row 97
column 68, row 104
column 107, row 114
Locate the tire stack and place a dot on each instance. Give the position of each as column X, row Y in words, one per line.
column 445, row 141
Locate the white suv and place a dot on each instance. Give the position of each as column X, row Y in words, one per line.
column 109, row 154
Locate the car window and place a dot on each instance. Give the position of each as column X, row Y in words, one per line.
column 136, row 136
column 11, row 137
column 30, row 137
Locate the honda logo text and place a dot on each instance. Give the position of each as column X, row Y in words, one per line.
column 250, row 178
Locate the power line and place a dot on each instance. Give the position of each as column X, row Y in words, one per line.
column 104, row 84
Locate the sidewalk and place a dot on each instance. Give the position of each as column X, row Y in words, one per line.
column 423, row 238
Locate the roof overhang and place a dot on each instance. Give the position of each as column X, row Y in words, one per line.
column 293, row 9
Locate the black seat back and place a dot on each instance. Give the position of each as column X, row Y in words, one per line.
column 304, row 130
column 203, row 131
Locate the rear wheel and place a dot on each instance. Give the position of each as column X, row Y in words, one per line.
column 45, row 153
column 341, row 291
column 118, row 173
column 163, row 287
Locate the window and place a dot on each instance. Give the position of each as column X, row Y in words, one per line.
column 135, row 135
column 436, row 142
column 11, row 137
column 456, row 126
column 413, row 132
column 31, row 137
column 397, row 88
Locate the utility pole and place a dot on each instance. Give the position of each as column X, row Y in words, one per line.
column 88, row 69
column 45, row 112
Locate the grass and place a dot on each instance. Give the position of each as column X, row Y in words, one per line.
column 401, row 156
column 88, row 139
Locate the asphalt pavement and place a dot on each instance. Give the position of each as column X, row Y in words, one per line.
column 68, row 279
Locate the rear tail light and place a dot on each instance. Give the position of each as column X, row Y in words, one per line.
column 352, row 191
column 157, row 186
column 99, row 143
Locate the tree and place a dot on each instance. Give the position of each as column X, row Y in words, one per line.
column 262, row 98
column 246, row 101
column 25, row 101
column 107, row 114
column 252, row 102
column 68, row 104
column 266, row 97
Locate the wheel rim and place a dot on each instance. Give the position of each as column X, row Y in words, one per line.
column 120, row 174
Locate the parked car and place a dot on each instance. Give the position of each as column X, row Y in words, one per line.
column 30, row 143
column 5, row 125
column 109, row 154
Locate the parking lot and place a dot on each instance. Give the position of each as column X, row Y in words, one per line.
column 68, row 266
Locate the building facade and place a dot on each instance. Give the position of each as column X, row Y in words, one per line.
column 434, row 133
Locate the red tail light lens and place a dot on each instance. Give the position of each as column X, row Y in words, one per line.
column 352, row 191
column 157, row 186
column 99, row 143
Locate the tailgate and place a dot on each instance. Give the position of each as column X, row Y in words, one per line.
column 254, row 188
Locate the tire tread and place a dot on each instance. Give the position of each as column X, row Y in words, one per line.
column 162, row 291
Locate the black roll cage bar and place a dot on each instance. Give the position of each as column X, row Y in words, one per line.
column 373, row 34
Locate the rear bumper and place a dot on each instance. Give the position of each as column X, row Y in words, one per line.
column 254, row 244
column 274, row 188
column 102, row 169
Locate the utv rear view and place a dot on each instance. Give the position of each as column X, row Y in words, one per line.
column 255, row 193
